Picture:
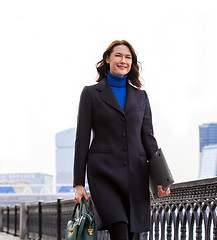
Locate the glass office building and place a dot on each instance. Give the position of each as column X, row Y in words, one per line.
column 208, row 134
column 65, row 147
column 208, row 150
column 208, row 162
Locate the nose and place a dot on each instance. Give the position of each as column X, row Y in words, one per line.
column 123, row 60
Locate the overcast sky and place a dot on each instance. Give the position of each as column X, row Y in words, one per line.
column 48, row 52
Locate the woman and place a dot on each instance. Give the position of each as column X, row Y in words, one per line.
column 119, row 114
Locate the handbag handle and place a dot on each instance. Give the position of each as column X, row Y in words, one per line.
column 83, row 202
column 74, row 211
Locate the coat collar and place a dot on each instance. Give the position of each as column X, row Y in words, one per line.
column 107, row 95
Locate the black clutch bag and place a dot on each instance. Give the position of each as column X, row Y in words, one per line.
column 159, row 173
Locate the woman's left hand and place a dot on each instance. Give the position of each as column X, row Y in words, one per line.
column 162, row 192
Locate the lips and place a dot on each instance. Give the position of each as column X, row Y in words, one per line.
column 122, row 67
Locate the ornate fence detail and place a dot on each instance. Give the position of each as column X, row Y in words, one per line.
column 188, row 220
column 188, row 213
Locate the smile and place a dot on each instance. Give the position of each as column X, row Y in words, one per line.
column 121, row 67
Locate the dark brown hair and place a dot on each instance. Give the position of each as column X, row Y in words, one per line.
column 103, row 67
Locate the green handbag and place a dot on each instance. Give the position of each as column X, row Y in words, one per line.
column 82, row 228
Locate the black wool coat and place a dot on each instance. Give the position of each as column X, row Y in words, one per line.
column 116, row 159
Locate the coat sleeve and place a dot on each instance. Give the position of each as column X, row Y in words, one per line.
column 148, row 139
column 84, row 123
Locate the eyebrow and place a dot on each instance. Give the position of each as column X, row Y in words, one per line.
column 128, row 54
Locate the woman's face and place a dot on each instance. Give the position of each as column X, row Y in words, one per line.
column 120, row 60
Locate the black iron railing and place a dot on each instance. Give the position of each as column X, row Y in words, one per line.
column 188, row 213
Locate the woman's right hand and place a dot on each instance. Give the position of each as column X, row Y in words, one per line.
column 79, row 193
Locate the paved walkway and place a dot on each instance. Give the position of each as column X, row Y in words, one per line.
column 4, row 236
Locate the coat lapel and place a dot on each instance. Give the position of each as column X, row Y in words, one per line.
column 107, row 95
column 131, row 98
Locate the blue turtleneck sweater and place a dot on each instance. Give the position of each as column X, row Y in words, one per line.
column 118, row 86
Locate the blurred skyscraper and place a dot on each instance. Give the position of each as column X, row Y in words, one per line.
column 208, row 150
column 208, row 134
column 65, row 144
column 208, row 162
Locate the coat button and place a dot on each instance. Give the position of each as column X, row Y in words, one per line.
column 123, row 119
column 124, row 163
column 124, row 134
column 124, row 149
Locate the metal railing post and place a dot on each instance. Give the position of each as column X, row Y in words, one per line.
column 23, row 221
column 58, row 219
column 15, row 220
column 39, row 221
column 8, row 220
column 1, row 219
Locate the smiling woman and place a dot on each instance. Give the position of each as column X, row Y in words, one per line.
column 119, row 115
